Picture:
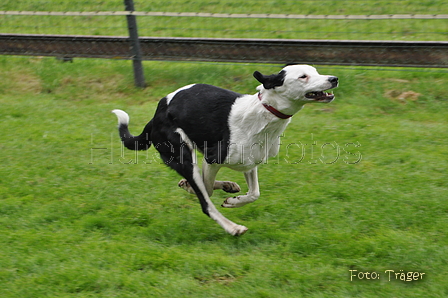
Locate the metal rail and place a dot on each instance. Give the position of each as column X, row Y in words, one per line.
column 229, row 15
column 277, row 51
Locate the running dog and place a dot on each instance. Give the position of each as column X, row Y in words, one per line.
column 233, row 130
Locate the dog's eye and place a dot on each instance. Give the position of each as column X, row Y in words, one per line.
column 303, row 77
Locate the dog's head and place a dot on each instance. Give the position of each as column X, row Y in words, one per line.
column 299, row 83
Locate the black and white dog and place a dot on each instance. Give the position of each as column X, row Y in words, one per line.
column 230, row 129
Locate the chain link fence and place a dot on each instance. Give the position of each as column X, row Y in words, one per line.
column 277, row 51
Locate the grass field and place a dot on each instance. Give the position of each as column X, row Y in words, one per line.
column 359, row 184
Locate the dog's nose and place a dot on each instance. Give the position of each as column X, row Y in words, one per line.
column 333, row 80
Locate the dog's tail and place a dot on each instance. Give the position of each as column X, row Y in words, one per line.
column 141, row 142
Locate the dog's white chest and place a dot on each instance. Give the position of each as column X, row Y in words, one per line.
column 253, row 136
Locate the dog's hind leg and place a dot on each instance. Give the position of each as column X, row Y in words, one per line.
column 252, row 195
column 183, row 183
column 183, row 161
column 191, row 172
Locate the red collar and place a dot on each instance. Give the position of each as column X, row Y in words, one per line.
column 274, row 110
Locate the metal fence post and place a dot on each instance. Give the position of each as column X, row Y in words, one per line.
column 139, row 77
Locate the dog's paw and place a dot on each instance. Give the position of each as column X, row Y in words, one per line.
column 233, row 202
column 230, row 187
column 238, row 230
column 186, row 186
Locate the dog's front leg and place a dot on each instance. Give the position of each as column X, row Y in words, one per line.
column 209, row 172
column 252, row 195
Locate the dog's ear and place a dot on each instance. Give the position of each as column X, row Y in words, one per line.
column 270, row 81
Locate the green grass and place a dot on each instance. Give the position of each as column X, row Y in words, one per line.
column 359, row 184
column 79, row 218
column 234, row 6
column 410, row 30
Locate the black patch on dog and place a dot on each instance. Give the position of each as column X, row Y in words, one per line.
column 270, row 81
column 202, row 112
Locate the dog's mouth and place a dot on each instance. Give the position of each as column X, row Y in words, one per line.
column 320, row 96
